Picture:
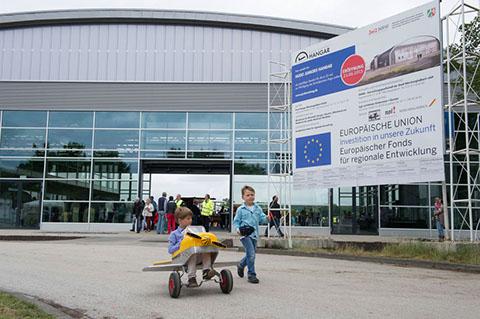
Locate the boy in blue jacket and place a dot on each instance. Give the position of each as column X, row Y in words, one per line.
column 246, row 222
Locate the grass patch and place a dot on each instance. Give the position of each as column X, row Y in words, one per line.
column 14, row 308
column 463, row 254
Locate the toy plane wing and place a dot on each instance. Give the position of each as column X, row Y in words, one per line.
column 165, row 267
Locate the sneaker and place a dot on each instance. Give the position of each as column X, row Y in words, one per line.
column 192, row 283
column 208, row 274
column 253, row 280
column 240, row 271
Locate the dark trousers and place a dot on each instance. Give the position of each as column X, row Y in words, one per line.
column 206, row 222
column 139, row 223
column 275, row 221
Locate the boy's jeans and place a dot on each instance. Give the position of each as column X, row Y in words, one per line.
column 250, row 246
column 161, row 223
column 440, row 229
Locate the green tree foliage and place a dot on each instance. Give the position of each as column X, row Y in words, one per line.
column 471, row 34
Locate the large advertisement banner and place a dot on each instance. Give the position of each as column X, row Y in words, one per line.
column 367, row 105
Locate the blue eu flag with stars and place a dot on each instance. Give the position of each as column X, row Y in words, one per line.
column 313, row 150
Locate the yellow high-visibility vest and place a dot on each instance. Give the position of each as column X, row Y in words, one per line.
column 179, row 202
column 207, row 208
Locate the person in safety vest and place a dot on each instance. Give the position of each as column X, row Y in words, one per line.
column 179, row 201
column 207, row 212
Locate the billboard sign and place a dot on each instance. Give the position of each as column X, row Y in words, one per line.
column 367, row 105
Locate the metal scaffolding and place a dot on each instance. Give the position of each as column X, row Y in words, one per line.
column 279, row 149
column 461, row 64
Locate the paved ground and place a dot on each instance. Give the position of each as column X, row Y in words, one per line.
column 103, row 277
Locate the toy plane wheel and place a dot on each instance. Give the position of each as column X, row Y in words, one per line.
column 174, row 285
column 226, row 281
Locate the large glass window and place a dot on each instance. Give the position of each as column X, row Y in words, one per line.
column 250, row 168
column 69, row 139
column 68, row 169
column 251, row 155
column 112, row 169
column 163, row 120
column 404, row 195
column 71, row 119
column 120, row 212
column 22, row 138
column 116, row 139
column 21, row 168
column 163, row 140
column 251, row 141
column 65, row 212
column 117, row 119
column 67, row 189
column 24, row 118
column 20, row 204
column 108, row 190
column 404, row 217
column 251, row 121
column 210, row 140
column 210, row 120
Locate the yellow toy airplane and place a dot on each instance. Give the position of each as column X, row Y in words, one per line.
column 196, row 241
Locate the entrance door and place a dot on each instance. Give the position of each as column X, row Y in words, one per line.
column 20, row 204
column 354, row 210
column 192, row 179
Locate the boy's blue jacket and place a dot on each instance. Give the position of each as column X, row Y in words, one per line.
column 251, row 217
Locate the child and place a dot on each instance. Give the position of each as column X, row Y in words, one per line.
column 246, row 221
column 183, row 215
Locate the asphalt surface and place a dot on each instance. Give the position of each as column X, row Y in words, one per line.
column 102, row 278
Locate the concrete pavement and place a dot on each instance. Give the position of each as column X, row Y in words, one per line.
column 101, row 277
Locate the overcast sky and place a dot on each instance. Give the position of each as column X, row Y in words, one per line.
column 353, row 13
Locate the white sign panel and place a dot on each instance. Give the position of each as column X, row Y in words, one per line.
column 367, row 105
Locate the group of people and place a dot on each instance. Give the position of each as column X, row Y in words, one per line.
column 159, row 215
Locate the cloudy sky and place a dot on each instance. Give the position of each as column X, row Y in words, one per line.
column 353, row 13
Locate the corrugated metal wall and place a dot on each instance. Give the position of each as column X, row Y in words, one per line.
column 226, row 97
column 142, row 52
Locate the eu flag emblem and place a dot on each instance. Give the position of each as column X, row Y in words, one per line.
column 313, row 150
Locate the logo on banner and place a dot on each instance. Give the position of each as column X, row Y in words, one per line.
column 374, row 115
column 313, row 150
column 301, row 56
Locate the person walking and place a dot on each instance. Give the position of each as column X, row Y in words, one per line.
column 154, row 213
column 137, row 215
column 170, row 213
column 162, row 209
column 249, row 216
column 207, row 212
column 274, row 215
column 439, row 218
column 148, row 213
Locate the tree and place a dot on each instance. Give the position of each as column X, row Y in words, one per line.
column 471, row 35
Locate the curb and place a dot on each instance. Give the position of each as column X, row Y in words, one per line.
column 37, row 237
column 475, row 269
column 49, row 307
